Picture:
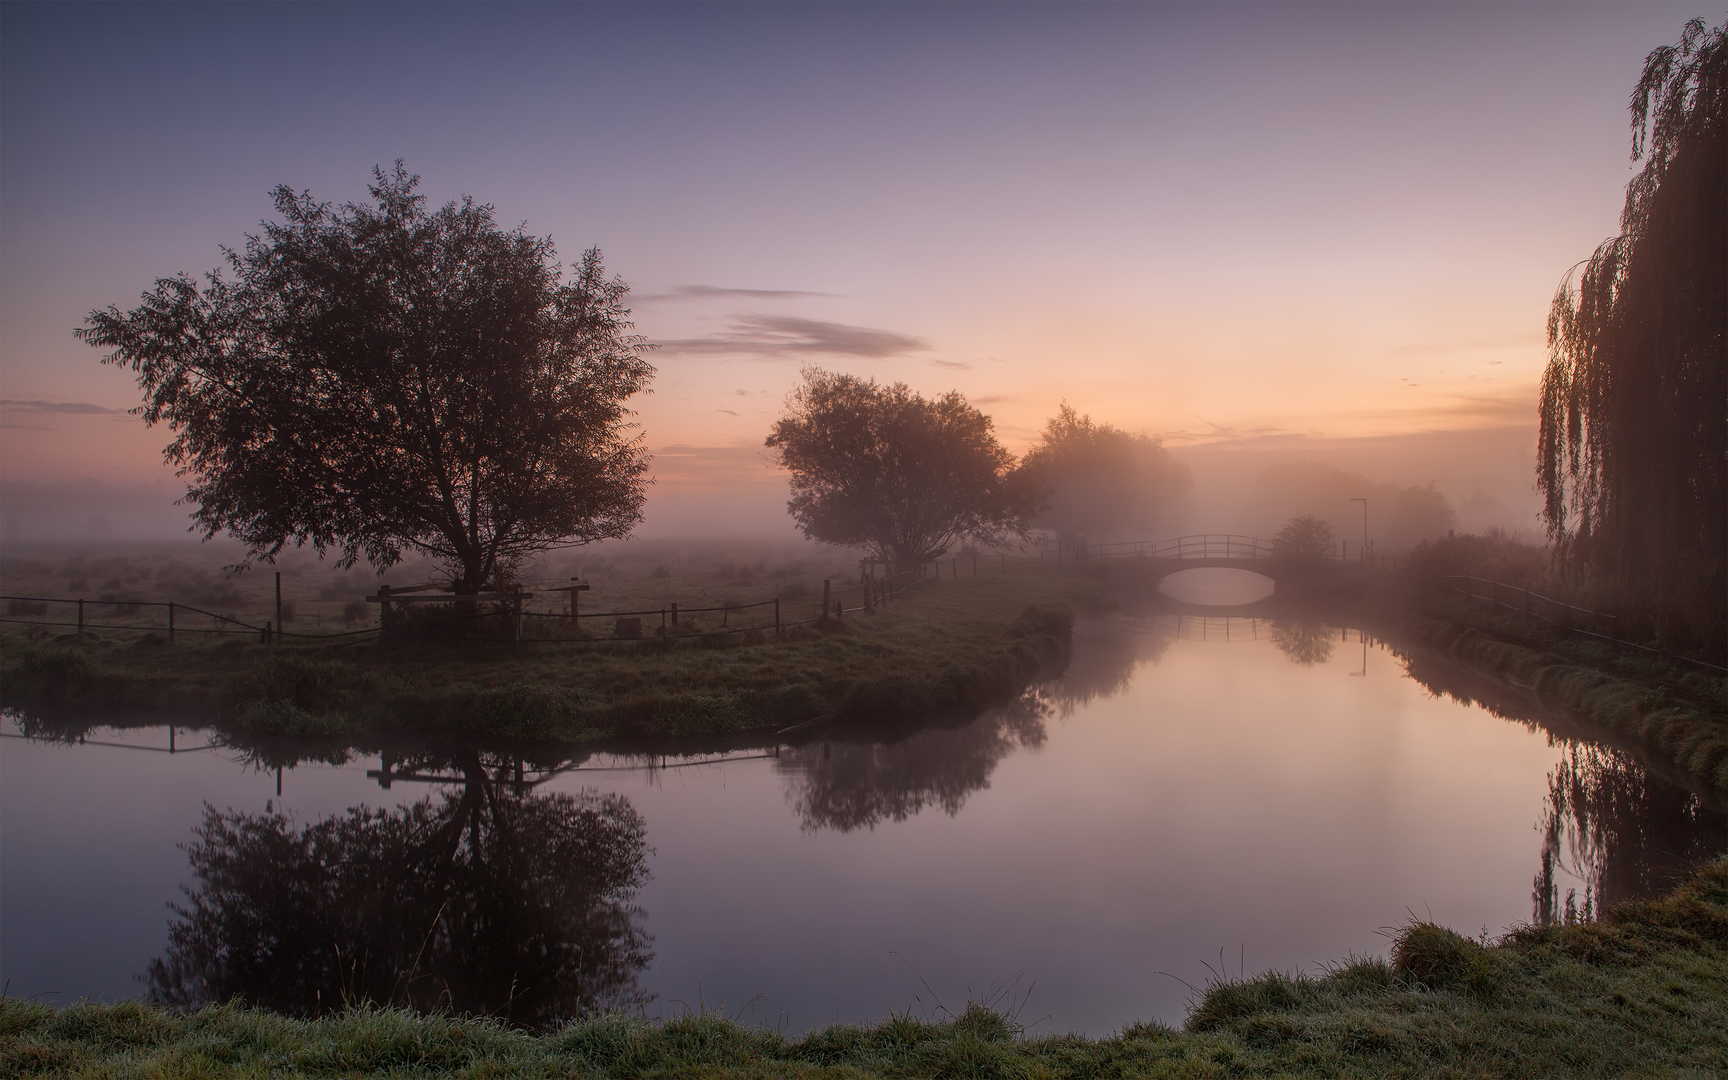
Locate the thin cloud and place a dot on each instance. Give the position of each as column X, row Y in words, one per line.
column 1445, row 348
column 1213, row 432
column 956, row 365
column 63, row 408
column 775, row 337
column 992, row 399
column 682, row 466
column 710, row 292
column 728, row 412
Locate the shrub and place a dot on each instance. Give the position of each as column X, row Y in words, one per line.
column 1304, row 540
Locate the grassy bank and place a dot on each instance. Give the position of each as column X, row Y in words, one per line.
column 1643, row 992
column 1678, row 717
column 952, row 645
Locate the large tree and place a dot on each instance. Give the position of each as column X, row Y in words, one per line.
column 885, row 468
column 381, row 378
column 1633, row 453
column 1097, row 480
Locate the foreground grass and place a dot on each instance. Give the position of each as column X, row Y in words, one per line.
column 951, row 645
column 1643, row 992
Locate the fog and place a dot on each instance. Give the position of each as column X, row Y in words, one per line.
column 1241, row 486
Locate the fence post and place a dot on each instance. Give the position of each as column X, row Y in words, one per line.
column 170, row 622
column 278, row 598
column 662, row 621
column 674, row 614
column 80, row 618
column 725, row 614
column 776, row 616
column 827, row 598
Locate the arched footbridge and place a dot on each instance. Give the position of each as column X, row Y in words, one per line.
column 1199, row 551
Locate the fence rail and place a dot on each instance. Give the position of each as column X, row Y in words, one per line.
column 1529, row 604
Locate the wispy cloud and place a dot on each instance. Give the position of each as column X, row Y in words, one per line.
column 775, row 337
column 63, row 408
column 1210, row 432
column 742, row 466
column 711, row 292
column 992, row 399
column 1446, row 348
column 956, row 365
column 728, row 412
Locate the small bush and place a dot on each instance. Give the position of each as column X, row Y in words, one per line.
column 1438, row 958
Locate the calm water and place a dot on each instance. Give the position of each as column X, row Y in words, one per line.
column 1193, row 796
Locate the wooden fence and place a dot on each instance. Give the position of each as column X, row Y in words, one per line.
column 493, row 615
column 1554, row 614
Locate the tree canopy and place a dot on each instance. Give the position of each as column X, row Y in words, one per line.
column 379, row 378
column 887, row 469
column 1097, row 480
column 1304, row 540
column 1633, row 452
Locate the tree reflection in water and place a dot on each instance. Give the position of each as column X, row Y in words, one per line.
column 1305, row 643
column 1618, row 831
column 857, row 785
column 492, row 900
column 1607, row 824
column 1103, row 660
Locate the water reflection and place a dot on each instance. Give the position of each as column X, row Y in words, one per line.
column 1618, row 833
column 489, row 899
column 845, row 785
column 1104, row 659
column 1611, row 830
column 1302, row 642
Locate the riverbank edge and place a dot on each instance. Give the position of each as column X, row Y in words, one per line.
column 1643, row 990
column 1681, row 733
column 841, row 672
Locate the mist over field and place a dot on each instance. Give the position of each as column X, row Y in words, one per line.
column 985, row 538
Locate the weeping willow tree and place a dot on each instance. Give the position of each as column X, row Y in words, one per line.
column 1633, row 453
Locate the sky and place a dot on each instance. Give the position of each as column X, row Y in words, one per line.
column 1275, row 229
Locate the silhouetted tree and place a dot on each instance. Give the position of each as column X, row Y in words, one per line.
column 1303, row 541
column 1095, row 480
column 375, row 378
column 1419, row 513
column 1633, row 452
column 487, row 901
column 888, row 469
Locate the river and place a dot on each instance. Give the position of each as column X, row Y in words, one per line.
column 1195, row 797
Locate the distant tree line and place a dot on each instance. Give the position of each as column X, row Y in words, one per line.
column 382, row 379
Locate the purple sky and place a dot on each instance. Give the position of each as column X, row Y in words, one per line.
column 1312, row 222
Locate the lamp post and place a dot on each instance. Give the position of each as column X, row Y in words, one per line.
column 1364, row 502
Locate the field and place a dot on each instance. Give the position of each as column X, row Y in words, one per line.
column 955, row 643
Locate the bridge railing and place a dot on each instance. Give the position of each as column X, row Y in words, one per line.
column 1192, row 546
